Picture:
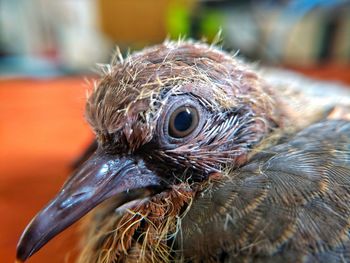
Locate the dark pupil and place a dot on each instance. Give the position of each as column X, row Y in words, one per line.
column 183, row 121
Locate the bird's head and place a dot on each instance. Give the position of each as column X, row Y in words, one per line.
column 173, row 113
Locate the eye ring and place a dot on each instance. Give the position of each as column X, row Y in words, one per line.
column 183, row 121
column 164, row 137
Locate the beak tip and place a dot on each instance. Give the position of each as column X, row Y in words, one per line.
column 21, row 254
column 24, row 249
column 18, row 260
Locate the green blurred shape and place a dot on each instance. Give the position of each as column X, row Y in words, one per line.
column 211, row 24
column 178, row 20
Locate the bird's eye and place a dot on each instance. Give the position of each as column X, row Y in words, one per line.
column 183, row 121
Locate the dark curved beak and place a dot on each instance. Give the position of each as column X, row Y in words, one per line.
column 101, row 177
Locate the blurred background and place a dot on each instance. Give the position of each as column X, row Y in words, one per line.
column 46, row 37
column 48, row 53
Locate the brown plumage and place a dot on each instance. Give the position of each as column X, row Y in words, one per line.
column 222, row 163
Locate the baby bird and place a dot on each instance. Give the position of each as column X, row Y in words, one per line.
column 201, row 157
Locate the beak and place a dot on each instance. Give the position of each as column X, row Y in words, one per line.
column 102, row 176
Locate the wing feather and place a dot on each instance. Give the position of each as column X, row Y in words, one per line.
column 290, row 203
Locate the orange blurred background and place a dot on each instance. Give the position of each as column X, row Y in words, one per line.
column 42, row 131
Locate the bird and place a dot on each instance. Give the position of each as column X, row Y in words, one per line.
column 201, row 156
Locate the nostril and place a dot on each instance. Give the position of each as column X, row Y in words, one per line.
column 75, row 199
column 80, row 194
